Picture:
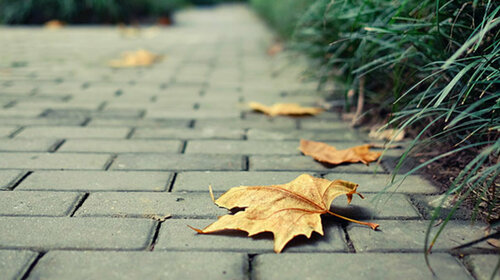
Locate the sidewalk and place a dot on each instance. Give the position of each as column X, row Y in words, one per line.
column 93, row 160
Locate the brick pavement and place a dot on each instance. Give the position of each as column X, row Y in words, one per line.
column 93, row 159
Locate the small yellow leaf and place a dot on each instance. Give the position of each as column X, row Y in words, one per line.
column 135, row 59
column 54, row 24
column 286, row 210
column 288, row 109
column 325, row 153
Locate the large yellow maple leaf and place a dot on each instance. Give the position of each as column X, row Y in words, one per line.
column 286, row 210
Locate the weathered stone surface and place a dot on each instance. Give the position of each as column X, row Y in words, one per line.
column 150, row 205
column 121, row 146
column 74, row 132
column 483, row 266
column 333, row 135
column 27, row 145
column 45, row 233
column 37, row 203
column 280, row 123
column 175, row 235
column 356, row 266
column 9, row 177
column 177, row 162
column 171, row 123
column 52, row 161
column 7, row 130
column 14, row 263
column 242, row 147
column 140, row 265
column 223, row 181
column 97, row 181
column 188, row 133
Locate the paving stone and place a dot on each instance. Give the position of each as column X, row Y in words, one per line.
column 74, row 132
column 52, row 161
column 188, row 133
column 153, row 265
column 305, row 163
column 7, row 130
column 47, row 233
column 387, row 206
column 41, row 121
column 82, row 113
column 242, row 147
column 177, row 162
column 356, row 266
column 333, row 135
column 150, row 205
column 427, row 203
column 278, row 123
column 483, row 266
column 192, row 114
column 14, row 263
column 378, row 182
column 121, row 146
column 37, row 203
column 27, row 145
column 15, row 112
column 223, row 181
column 9, row 177
column 96, row 181
column 175, row 235
column 170, row 123
column 323, row 124
column 410, row 235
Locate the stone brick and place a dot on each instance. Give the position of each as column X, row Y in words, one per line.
column 140, row 265
column 27, row 145
column 223, row 181
column 177, row 162
column 406, row 236
column 46, row 233
column 74, row 132
column 7, row 130
column 41, row 121
column 96, row 181
column 15, row 263
column 150, row 205
column 173, row 133
column 356, row 266
column 175, row 235
column 242, row 147
column 427, row 203
column 387, row 206
column 331, row 135
column 170, row 123
column 192, row 114
column 52, row 161
column 16, row 112
column 121, row 146
column 378, row 182
column 9, row 177
column 277, row 123
column 305, row 163
column 37, row 203
column 483, row 266
column 323, row 124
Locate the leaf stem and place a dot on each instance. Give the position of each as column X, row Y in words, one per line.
column 374, row 226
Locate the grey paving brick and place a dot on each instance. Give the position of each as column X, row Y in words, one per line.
column 279, row 123
column 121, row 146
column 322, row 124
column 150, row 205
column 14, row 263
column 177, row 162
column 83, row 113
column 378, row 182
column 427, row 204
column 483, row 266
column 242, row 147
column 192, row 114
column 410, row 235
column 187, row 133
column 331, row 135
column 46, row 233
column 74, row 132
column 96, row 181
column 175, row 235
column 153, row 265
column 7, row 130
column 52, row 161
column 41, row 121
column 389, row 206
column 305, row 163
column 16, row 112
column 27, row 145
column 37, row 203
column 223, row 181
column 170, row 123
column 9, row 177
column 356, row 266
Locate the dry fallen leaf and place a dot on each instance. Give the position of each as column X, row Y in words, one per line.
column 325, row 153
column 135, row 59
column 275, row 49
column 387, row 134
column 54, row 24
column 286, row 210
column 289, row 109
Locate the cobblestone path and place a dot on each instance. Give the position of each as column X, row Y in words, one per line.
column 92, row 159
